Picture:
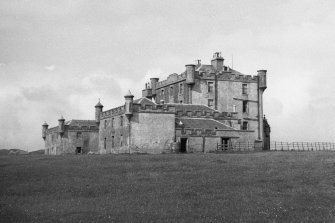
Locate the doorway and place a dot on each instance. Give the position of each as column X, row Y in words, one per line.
column 225, row 143
column 183, row 145
column 78, row 150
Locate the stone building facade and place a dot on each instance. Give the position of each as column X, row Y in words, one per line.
column 195, row 111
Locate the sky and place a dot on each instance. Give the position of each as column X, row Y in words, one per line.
column 58, row 57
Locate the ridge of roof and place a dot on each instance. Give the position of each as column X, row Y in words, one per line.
column 142, row 99
column 191, row 105
column 77, row 122
column 208, row 123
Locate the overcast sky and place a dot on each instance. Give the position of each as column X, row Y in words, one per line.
column 58, row 57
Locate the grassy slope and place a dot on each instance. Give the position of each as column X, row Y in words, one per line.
column 273, row 186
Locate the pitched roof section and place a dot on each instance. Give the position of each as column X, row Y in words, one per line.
column 205, row 68
column 129, row 95
column 144, row 101
column 210, row 69
column 202, row 123
column 191, row 107
column 74, row 122
column 99, row 104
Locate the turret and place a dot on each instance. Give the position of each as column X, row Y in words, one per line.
column 129, row 104
column 190, row 72
column 147, row 92
column 217, row 61
column 98, row 110
column 154, row 82
column 262, row 79
column 61, row 126
column 44, row 130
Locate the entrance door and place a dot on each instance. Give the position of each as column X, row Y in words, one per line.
column 183, row 144
column 225, row 142
column 78, row 150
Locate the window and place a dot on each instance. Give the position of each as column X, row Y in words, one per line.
column 181, row 101
column 105, row 143
column 244, row 89
column 105, row 124
column 162, row 93
column 181, row 88
column 210, row 103
column 245, row 126
column 112, row 122
column 78, row 134
column 121, row 120
column 121, row 139
column 210, row 87
column 171, row 91
column 234, row 108
column 245, row 106
column 112, row 141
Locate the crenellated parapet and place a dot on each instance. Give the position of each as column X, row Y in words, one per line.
column 112, row 112
column 206, row 114
column 171, row 79
column 229, row 76
column 84, row 128
column 52, row 130
column 158, row 108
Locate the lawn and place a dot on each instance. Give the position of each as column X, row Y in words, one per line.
column 227, row 187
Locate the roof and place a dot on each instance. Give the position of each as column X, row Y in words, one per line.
column 203, row 123
column 129, row 94
column 74, row 122
column 206, row 68
column 210, row 69
column 191, row 107
column 99, row 104
column 144, row 101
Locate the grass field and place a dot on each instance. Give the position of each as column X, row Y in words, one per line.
column 244, row 187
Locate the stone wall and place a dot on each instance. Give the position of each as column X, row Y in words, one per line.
column 176, row 96
column 152, row 132
column 70, row 140
column 113, row 137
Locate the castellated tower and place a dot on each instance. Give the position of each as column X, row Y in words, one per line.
column 217, row 61
column 61, row 126
column 44, row 130
column 129, row 104
column 261, row 88
column 190, row 72
column 98, row 109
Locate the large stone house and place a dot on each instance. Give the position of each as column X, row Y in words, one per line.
column 205, row 108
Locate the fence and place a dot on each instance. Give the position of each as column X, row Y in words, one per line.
column 302, row 146
column 237, row 146
column 278, row 146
